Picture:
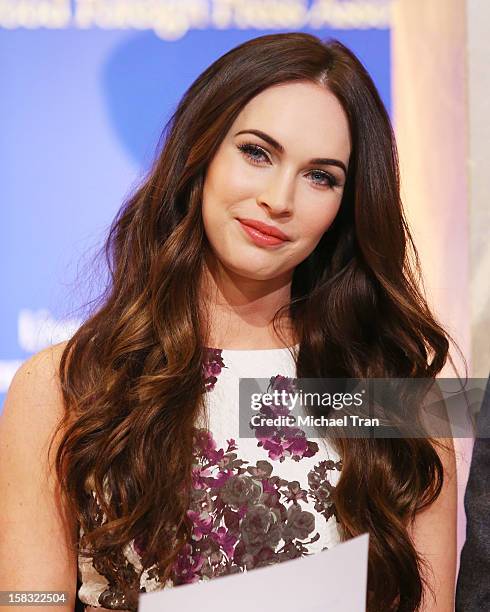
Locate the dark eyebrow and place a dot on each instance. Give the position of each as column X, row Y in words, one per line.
column 322, row 161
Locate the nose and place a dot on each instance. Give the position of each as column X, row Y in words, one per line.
column 278, row 195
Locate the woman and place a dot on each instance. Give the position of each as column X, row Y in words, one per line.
column 267, row 240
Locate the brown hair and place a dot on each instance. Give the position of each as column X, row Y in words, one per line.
column 132, row 375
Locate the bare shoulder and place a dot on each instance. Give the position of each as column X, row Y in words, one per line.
column 34, row 395
column 42, row 366
column 36, row 536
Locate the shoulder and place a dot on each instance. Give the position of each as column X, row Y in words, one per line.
column 34, row 399
column 43, row 363
column 30, row 493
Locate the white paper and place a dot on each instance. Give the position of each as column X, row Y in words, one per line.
column 333, row 580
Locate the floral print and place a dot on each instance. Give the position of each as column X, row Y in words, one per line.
column 285, row 441
column 243, row 516
column 321, row 489
column 245, row 512
column 213, row 363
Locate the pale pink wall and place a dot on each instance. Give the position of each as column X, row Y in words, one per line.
column 431, row 124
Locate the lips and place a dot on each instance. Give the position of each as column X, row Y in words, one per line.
column 264, row 228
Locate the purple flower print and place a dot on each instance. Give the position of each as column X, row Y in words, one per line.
column 299, row 447
column 276, row 449
column 242, row 515
column 206, row 446
column 204, row 443
column 226, row 541
column 281, row 442
column 213, row 363
column 202, row 524
column 187, row 565
column 231, row 445
column 223, row 476
column 283, row 383
column 201, row 477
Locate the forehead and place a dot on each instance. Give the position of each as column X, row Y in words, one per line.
column 300, row 114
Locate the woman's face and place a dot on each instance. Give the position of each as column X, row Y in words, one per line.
column 291, row 177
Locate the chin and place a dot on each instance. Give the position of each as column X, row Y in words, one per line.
column 253, row 273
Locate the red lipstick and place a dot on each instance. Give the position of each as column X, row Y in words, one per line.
column 263, row 233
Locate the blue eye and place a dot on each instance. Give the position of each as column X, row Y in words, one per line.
column 249, row 150
column 331, row 181
column 257, row 155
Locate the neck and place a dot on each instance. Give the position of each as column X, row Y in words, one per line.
column 239, row 310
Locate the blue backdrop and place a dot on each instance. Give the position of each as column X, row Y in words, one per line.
column 81, row 111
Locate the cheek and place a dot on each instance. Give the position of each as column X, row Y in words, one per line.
column 316, row 219
column 224, row 191
column 227, row 182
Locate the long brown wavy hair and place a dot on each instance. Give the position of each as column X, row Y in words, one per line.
column 132, row 376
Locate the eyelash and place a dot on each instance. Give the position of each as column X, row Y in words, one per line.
column 247, row 148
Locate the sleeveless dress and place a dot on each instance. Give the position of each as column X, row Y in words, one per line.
column 256, row 501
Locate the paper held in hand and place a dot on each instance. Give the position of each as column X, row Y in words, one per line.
column 334, row 579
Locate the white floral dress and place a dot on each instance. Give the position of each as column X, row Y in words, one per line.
column 256, row 500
